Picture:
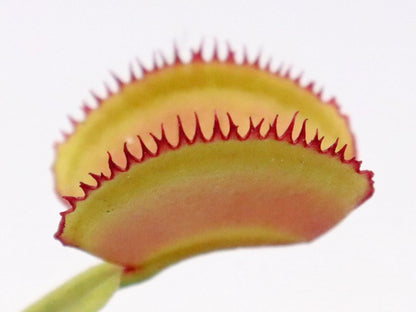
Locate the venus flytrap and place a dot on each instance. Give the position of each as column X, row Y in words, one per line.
column 195, row 157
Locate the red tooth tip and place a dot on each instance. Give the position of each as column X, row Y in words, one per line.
column 287, row 74
column 71, row 200
column 118, row 80
column 267, row 65
column 86, row 188
column 65, row 135
column 130, row 158
column 144, row 70
column 355, row 163
column 215, row 56
column 98, row 99
column 245, row 56
column 316, row 135
column 272, row 132
column 316, row 142
column 145, row 151
column 155, row 65
column 155, row 138
column 163, row 142
column 341, row 152
column 73, row 122
column 298, row 78
column 199, row 135
column 288, row 134
column 302, row 135
column 251, row 127
column 279, row 70
column 97, row 178
column 108, row 90
column 133, row 77
column 319, row 93
column 86, row 109
column 331, row 150
column 333, row 101
column 163, row 58
column 230, row 55
column 256, row 62
column 113, row 166
column 163, row 137
column 217, row 132
column 182, row 137
column 258, row 129
column 176, row 56
column 233, row 133
column 310, row 86
column 197, row 55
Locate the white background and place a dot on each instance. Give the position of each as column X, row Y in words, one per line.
column 53, row 52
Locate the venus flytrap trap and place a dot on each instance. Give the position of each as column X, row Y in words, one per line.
column 194, row 157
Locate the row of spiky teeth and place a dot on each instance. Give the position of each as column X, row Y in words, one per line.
column 203, row 54
column 254, row 132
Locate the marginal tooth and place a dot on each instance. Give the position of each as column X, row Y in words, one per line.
column 332, row 149
column 316, row 142
column 86, row 109
column 155, row 67
column 233, row 133
column 302, row 135
column 182, row 137
column 267, row 66
column 71, row 200
column 230, row 58
column 143, row 69
column 288, row 73
column 245, row 56
column 341, row 152
column 176, row 56
column 86, row 188
column 319, row 93
column 97, row 98
column 98, row 178
column 114, row 168
column 272, row 131
column 132, row 74
column 117, row 79
column 73, row 122
column 65, row 135
column 130, row 158
column 165, row 63
column 310, row 86
column 333, row 101
column 196, row 56
column 217, row 132
column 288, row 134
column 298, row 79
column 215, row 53
column 108, row 90
column 279, row 70
column 146, row 152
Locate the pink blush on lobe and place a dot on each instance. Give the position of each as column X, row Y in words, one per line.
column 203, row 206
